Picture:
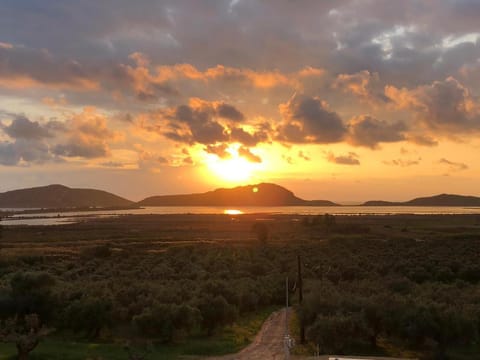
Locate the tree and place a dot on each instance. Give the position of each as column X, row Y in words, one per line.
column 329, row 222
column 166, row 320
column 216, row 311
column 31, row 293
column 89, row 315
column 335, row 333
column 26, row 332
column 262, row 232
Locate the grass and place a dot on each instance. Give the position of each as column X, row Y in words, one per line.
column 229, row 339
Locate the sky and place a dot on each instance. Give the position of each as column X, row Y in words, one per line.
column 346, row 100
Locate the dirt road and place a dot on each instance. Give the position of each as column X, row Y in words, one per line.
column 268, row 344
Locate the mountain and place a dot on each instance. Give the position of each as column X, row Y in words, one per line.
column 59, row 196
column 437, row 200
column 251, row 195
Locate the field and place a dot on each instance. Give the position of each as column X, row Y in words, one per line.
column 173, row 286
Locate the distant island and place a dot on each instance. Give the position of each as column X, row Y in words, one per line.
column 264, row 194
column 62, row 197
column 437, row 200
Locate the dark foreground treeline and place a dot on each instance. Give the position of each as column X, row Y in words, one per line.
column 363, row 287
column 165, row 296
column 415, row 293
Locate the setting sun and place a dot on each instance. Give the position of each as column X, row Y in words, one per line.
column 233, row 168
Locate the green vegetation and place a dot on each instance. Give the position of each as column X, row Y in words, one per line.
column 203, row 285
column 230, row 339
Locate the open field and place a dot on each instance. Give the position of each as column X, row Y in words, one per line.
column 197, row 285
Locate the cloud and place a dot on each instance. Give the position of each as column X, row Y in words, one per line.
column 308, row 119
column 113, row 164
column 23, row 151
column 349, row 159
column 238, row 134
column 243, row 77
column 402, row 162
column 453, row 166
column 303, row 156
column 247, row 154
column 423, row 140
column 23, row 128
column 220, row 150
column 204, row 122
column 22, row 67
column 87, row 136
column 368, row 131
column 444, row 107
column 364, row 84
column 229, row 112
column 145, row 85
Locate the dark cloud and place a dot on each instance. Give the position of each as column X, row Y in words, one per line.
column 204, row 122
column 81, row 149
column 369, row 132
column 199, row 120
column 84, row 135
column 308, row 120
column 23, row 151
column 247, row 154
column 349, row 159
column 238, row 134
column 22, row 67
column 399, row 40
column 23, row 128
column 227, row 111
column 220, row 150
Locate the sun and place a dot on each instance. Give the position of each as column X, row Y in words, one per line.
column 234, row 169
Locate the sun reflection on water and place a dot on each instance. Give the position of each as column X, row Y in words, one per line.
column 232, row 212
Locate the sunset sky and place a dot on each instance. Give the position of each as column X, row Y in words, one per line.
column 340, row 100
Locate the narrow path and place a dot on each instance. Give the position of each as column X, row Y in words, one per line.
column 267, row 345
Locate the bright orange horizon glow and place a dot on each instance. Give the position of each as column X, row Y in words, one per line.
column 234, row 169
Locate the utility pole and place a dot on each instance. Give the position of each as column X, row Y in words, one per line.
column 300, row 297
column 286, row 340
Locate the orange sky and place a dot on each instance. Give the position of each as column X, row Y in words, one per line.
column 331, row 99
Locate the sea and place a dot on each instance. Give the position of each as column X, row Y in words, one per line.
column 55, row 218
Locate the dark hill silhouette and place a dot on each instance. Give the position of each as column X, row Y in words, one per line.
column 437, row 200
column 251, row 195
column 59, row 196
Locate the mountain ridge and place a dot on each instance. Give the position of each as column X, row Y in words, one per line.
column 435, row 200
column 56, row 196
column 263, row 194
column 61, row 196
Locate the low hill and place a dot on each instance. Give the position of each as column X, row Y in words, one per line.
column 437, row 200
column 251, row 195
column 59, row 196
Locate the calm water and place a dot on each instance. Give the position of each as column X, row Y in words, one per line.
column 76, row 216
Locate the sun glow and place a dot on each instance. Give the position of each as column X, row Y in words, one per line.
column 233, row 169
column 232, row 212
